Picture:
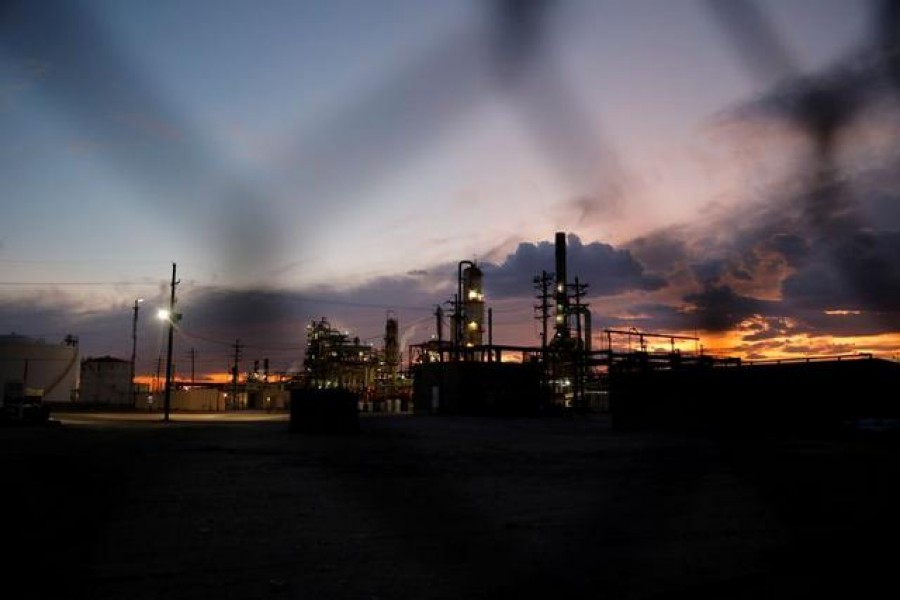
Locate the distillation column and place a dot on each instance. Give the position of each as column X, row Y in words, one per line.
column 473, row 300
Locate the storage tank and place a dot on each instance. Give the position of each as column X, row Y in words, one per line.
column 106, row 380
column 48, row 370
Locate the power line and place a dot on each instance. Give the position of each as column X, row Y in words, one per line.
column 78, row 283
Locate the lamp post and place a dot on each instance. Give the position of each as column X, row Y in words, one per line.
column 137, row 302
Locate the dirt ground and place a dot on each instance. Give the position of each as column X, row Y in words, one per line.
column 442, row 507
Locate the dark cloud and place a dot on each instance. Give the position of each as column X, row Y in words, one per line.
column 808, row 273
column 817, row 322
column 648, row 316
column 719, row 308
column 269, row 323
column 739, row 273
column 857, row 272
column 661, row 251
column 793, row 248
column 608, row 271
column 35, row 317
column 814, row 247
column 52, row 315
column 840, row 256
column 239, row 312
column 709, row 272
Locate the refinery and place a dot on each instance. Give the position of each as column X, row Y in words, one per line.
column 465, row 371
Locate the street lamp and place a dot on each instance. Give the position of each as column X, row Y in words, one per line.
column 170, row 317
column 137, row 302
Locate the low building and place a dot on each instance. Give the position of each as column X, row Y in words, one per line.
column 480, row 388
column 808, row 394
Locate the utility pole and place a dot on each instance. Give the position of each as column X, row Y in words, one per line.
column 234, row 372
column 171, row 318
column 542, row 284
column 455, row 319
column 158, row 370
column 134, row 320
column 578, row 290
column 193, row 372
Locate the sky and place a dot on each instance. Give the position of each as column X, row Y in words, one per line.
column 725, row 170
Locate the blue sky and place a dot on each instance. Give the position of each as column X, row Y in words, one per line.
column 341, row 157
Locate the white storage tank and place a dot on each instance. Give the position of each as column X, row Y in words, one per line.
column 106, row 380
column 33, row 364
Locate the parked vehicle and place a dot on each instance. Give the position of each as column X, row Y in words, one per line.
column 23, row 405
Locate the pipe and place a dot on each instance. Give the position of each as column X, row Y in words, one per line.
column 491, row 332
column 587, row 327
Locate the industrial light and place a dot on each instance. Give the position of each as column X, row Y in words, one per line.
column 163, row 314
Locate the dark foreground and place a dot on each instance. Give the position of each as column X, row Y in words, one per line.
column 431, row 507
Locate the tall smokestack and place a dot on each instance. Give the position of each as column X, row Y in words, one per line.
column 562, row 298
column 392, row 344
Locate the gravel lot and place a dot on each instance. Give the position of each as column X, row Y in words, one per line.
column 442, row 507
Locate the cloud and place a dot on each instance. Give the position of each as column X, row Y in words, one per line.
column 661, row 251
column 791, row 247
column 155, row 126
column 270, row 320
column 719, row 308
column 759, row 328
column 822, row 234
column 771, row 263
column 609, row 271
column 648, row 316
column 856, row 271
